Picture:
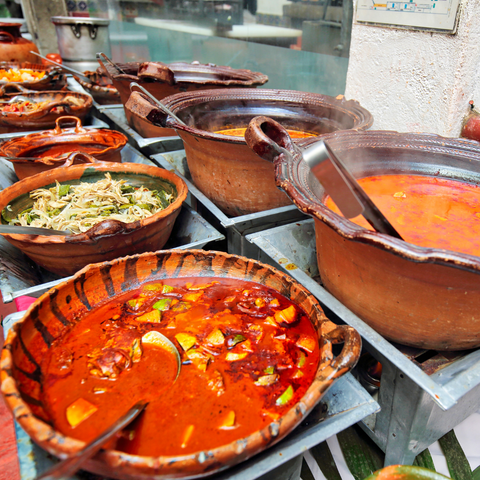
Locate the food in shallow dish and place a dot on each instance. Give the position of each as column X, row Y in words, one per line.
column 427, row 211
column 248, row 355
column 28, row 106
column 20, row 75
column 77, row 208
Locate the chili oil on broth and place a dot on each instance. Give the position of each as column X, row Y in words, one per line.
column 427, row 211
column 240, row 132
column 248, row 356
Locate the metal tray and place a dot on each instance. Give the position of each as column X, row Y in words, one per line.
column 21, row 276
column 235, row 228
column 423, row 394
column 114, row 115
column 345, row 403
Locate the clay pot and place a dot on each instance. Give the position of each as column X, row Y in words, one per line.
column 42, row 151
column 162, row 80
column 72, row 301
column 52, row 80
column 106, row 240
column 424, row 297
column 223, row 167
column 406, row 472
column 13, row 47
column 100, row 88
column 45, row 116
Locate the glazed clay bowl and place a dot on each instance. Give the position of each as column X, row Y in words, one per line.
column 163, row 80
column 52, row 80
column 42, row 151
column 46, row 115
column 222, row 166
column 100, row 88
column 406, row 472
column 71, row 302
column 105, row 240
column 423, row 297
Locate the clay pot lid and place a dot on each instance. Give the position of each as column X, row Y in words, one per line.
column 22, row 148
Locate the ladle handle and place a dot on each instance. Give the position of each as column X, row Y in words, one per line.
column 14, row 86
column 66, row 468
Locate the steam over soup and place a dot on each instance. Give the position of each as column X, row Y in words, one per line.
column 426, row 211
column 248, row 355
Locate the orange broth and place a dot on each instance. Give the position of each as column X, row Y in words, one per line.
column 231, row 383
column 240, row 132
column 426, row 211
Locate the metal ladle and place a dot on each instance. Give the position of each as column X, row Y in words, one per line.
column 63, row 67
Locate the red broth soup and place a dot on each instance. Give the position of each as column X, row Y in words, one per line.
column 248, row 355
column 426, row 211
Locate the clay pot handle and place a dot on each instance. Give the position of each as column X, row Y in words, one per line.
column 80, row 157
column 13, row 86
column 268, row 139
column 78, row 123
column 156, row 71
column 348, row 357
column 12, row 39
column 139, row 104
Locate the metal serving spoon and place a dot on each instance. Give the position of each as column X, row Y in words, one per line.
column 66, row 468
column 63, row 67
column 15, row 99
column 31, row 230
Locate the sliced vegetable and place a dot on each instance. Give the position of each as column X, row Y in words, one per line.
column 301, row 359
column 163, row 304
column 228, row 421
column 233, row 357
column 181, row 307
column 269, row 370
column 186, row 340
column 63, row 190
column 153, row 287
column 271, row 321
column 285, row 397
column 274, row 303
column 199, row 358
column 259, row 302
column 266, row 380
column 153, row 316
column 187, row 435
column 216, row 337
column 79, row 411
column 306, row 343
column 287, row 315
column 297, row 374
column 237, row 339
column 192, row 297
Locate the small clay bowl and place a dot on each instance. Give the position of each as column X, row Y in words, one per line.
column 42, row 151
column 106, row 240
column 162, row 80
column 53, row 79
column 242, row 182
column 44, row 117
column 73, row 301
column 100, row 88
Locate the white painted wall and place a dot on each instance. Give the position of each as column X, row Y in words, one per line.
column 417, row 81
column 271, row 7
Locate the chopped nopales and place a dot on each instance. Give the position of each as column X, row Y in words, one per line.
column 285, row 397
column 163, row 304
column 79, row 411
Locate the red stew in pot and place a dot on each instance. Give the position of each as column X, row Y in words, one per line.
column 427, row 211
column 248, row 355
column 240, row 132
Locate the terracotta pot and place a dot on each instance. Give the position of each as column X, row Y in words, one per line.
column 13, row 47
column 423, row 297
column 100, row 88
column 46, row 319
column 45, row 116
column 222, row 166
column 42, row 151
column 52, row 80
column 162, row 80
column 405, row 472
column 106, row 240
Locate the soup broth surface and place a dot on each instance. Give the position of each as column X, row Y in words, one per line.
column 426, row 211
column 248, row 355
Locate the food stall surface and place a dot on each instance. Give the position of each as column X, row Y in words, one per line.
column 344, row 404
column 422, row 394
column 235, row 228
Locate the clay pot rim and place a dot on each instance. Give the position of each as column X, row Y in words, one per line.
column 29, row 115
column 304, row 199
column 178, row 102
column 327, row 371
column 74, row 172
column 49, row 138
